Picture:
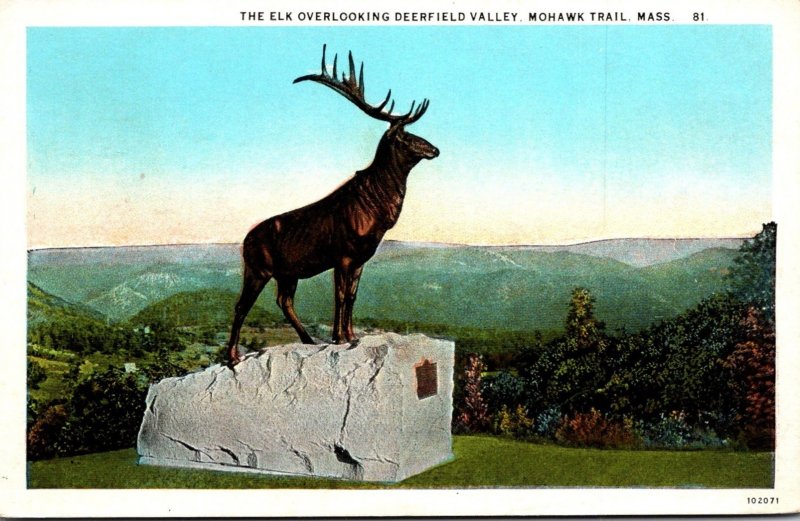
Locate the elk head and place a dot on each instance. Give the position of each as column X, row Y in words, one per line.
column 405, row 148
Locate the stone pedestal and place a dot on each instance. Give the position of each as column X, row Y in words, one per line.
column 376, row 411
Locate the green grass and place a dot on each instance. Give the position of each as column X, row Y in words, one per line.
column 480, row 461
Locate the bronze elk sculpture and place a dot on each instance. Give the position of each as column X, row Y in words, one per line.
column 340, row 231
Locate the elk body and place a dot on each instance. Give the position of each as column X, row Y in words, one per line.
column 340, row 231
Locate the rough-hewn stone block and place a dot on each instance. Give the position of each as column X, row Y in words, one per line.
column 376, row 411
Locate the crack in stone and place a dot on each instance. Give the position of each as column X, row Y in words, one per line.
column 298, row 377
column 230, row 453
column 252, row 458
column 304, row 457
column 372, row 378
column 152, row 406
column 355, row 470
column 196, row 451
column 347, row 378
column 346, row 414
column 235, row 375
column 266, row 372
column 380, row 459
column 307, row 464
column 211, row 385
column 333, row 359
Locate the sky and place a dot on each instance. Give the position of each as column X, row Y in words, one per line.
column 548, row 134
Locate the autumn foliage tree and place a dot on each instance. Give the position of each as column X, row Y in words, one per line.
column 752, row 381
column 473, row 414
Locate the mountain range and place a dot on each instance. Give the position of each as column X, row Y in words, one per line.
column 635, row 281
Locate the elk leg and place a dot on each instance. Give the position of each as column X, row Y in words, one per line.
column 349, row 300
column 339, row 293
column 251, row 288
column 285, row 300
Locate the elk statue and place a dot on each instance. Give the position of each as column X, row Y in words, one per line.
column 340, row 231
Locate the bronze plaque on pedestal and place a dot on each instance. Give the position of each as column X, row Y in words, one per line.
column 427, row 384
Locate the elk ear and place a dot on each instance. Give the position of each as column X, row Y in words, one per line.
column 395, row 129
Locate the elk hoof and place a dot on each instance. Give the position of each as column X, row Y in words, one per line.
column 233, row 359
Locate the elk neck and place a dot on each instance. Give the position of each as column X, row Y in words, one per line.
column 381, row 187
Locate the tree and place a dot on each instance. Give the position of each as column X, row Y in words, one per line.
column 752, row 381
column 752, row 278
column 570, row 371
column 584, row 331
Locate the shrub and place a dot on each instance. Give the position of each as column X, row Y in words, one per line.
column 163, row 368
column 547, row 422
column 44, row 435
column 571, row 369
column 504, row 389
column 675, row 365
column 516, row 423
column 594, row 429
column 105, row 413
column 672, row 431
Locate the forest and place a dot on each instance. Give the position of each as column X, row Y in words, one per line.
column 700, row 379
column 703, row 379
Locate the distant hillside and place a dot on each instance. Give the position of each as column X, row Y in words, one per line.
column 519, row 288
column 209, row 307
column 54, row 322
column 135, row 255
column 699, row 273
column 45, row 308
column 641, row 252
column 120, row 290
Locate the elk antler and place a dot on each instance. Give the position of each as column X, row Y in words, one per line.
column 353, row 90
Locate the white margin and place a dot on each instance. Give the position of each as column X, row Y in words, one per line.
column 16, row 500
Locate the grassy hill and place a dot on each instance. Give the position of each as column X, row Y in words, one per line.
column 478, row 287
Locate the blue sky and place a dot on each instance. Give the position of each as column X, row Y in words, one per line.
column 548, row 134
